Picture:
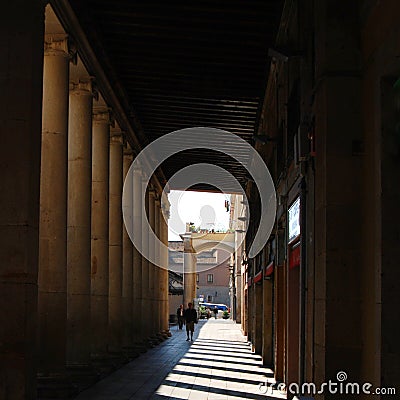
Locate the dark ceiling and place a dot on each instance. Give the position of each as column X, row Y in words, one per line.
column 187, row 63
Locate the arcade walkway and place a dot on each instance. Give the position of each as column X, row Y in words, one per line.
column 217, row 365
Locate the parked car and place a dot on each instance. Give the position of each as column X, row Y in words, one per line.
column 211, row 306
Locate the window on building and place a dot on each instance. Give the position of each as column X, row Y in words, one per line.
column 209, row 298
column 197, row 278
column 210, row 278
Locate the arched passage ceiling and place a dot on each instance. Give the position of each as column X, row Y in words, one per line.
column 186, row 63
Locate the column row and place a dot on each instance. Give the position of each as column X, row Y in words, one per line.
column 100, row 301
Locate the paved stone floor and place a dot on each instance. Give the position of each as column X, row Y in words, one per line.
column 218, row 365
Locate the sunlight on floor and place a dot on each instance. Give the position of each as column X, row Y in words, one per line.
column 219, row 364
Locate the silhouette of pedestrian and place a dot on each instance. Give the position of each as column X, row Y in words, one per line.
column 215, row 312
column 190, row 315
column 179, row 313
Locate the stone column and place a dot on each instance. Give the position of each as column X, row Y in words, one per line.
column 52, row 278
column 338, row 195
column 189, row 268
column 157, row 273
column 137, row 257
column 127, row 261
column 152, row 286
column 20, row 131
column 100, row 228
column 164, row 264
column 79, row 224
column 115, row 243
column 146, row 316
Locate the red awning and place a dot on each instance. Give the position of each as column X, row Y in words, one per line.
column 269, row 269
column 258, row 277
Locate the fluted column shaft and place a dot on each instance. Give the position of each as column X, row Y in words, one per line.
column 100, row 229
column 152, row 286
column 52, row 277
column 127, row 251
column 79, row 223
column 157, row 273
column 115, row 243
column 146, row 316
column 189, row 277
column 137, row 257
column 164, row 263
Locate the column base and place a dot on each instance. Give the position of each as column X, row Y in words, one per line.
column 140, row 347
column 55, row 386
column 161, row 336
column 118, row 358
column 149, row 343
column 153, row 341
column 167, row 332
column 156, row 338
column 130, row 352
column 103, row 364
column 83, row 376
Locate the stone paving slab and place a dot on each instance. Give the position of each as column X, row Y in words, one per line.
column 217, row 365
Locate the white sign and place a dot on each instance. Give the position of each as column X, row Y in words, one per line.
column 294, row 220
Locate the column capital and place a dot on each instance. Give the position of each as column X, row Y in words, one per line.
column 116, row 134
column 84, row 86
column 165, row 204
column 187, row 245
column 137, row 168
column 165, row 207
column 145, row 177
column 157, row 197
column 116, row 139
column 128, row 150
column 102, row 115
column 59, row 44
column 152, row 191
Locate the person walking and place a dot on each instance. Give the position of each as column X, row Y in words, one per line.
column 215, row 312
column 190, row 316
column 179, row 313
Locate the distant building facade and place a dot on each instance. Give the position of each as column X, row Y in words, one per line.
column 212, row 278
column 213, row 283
